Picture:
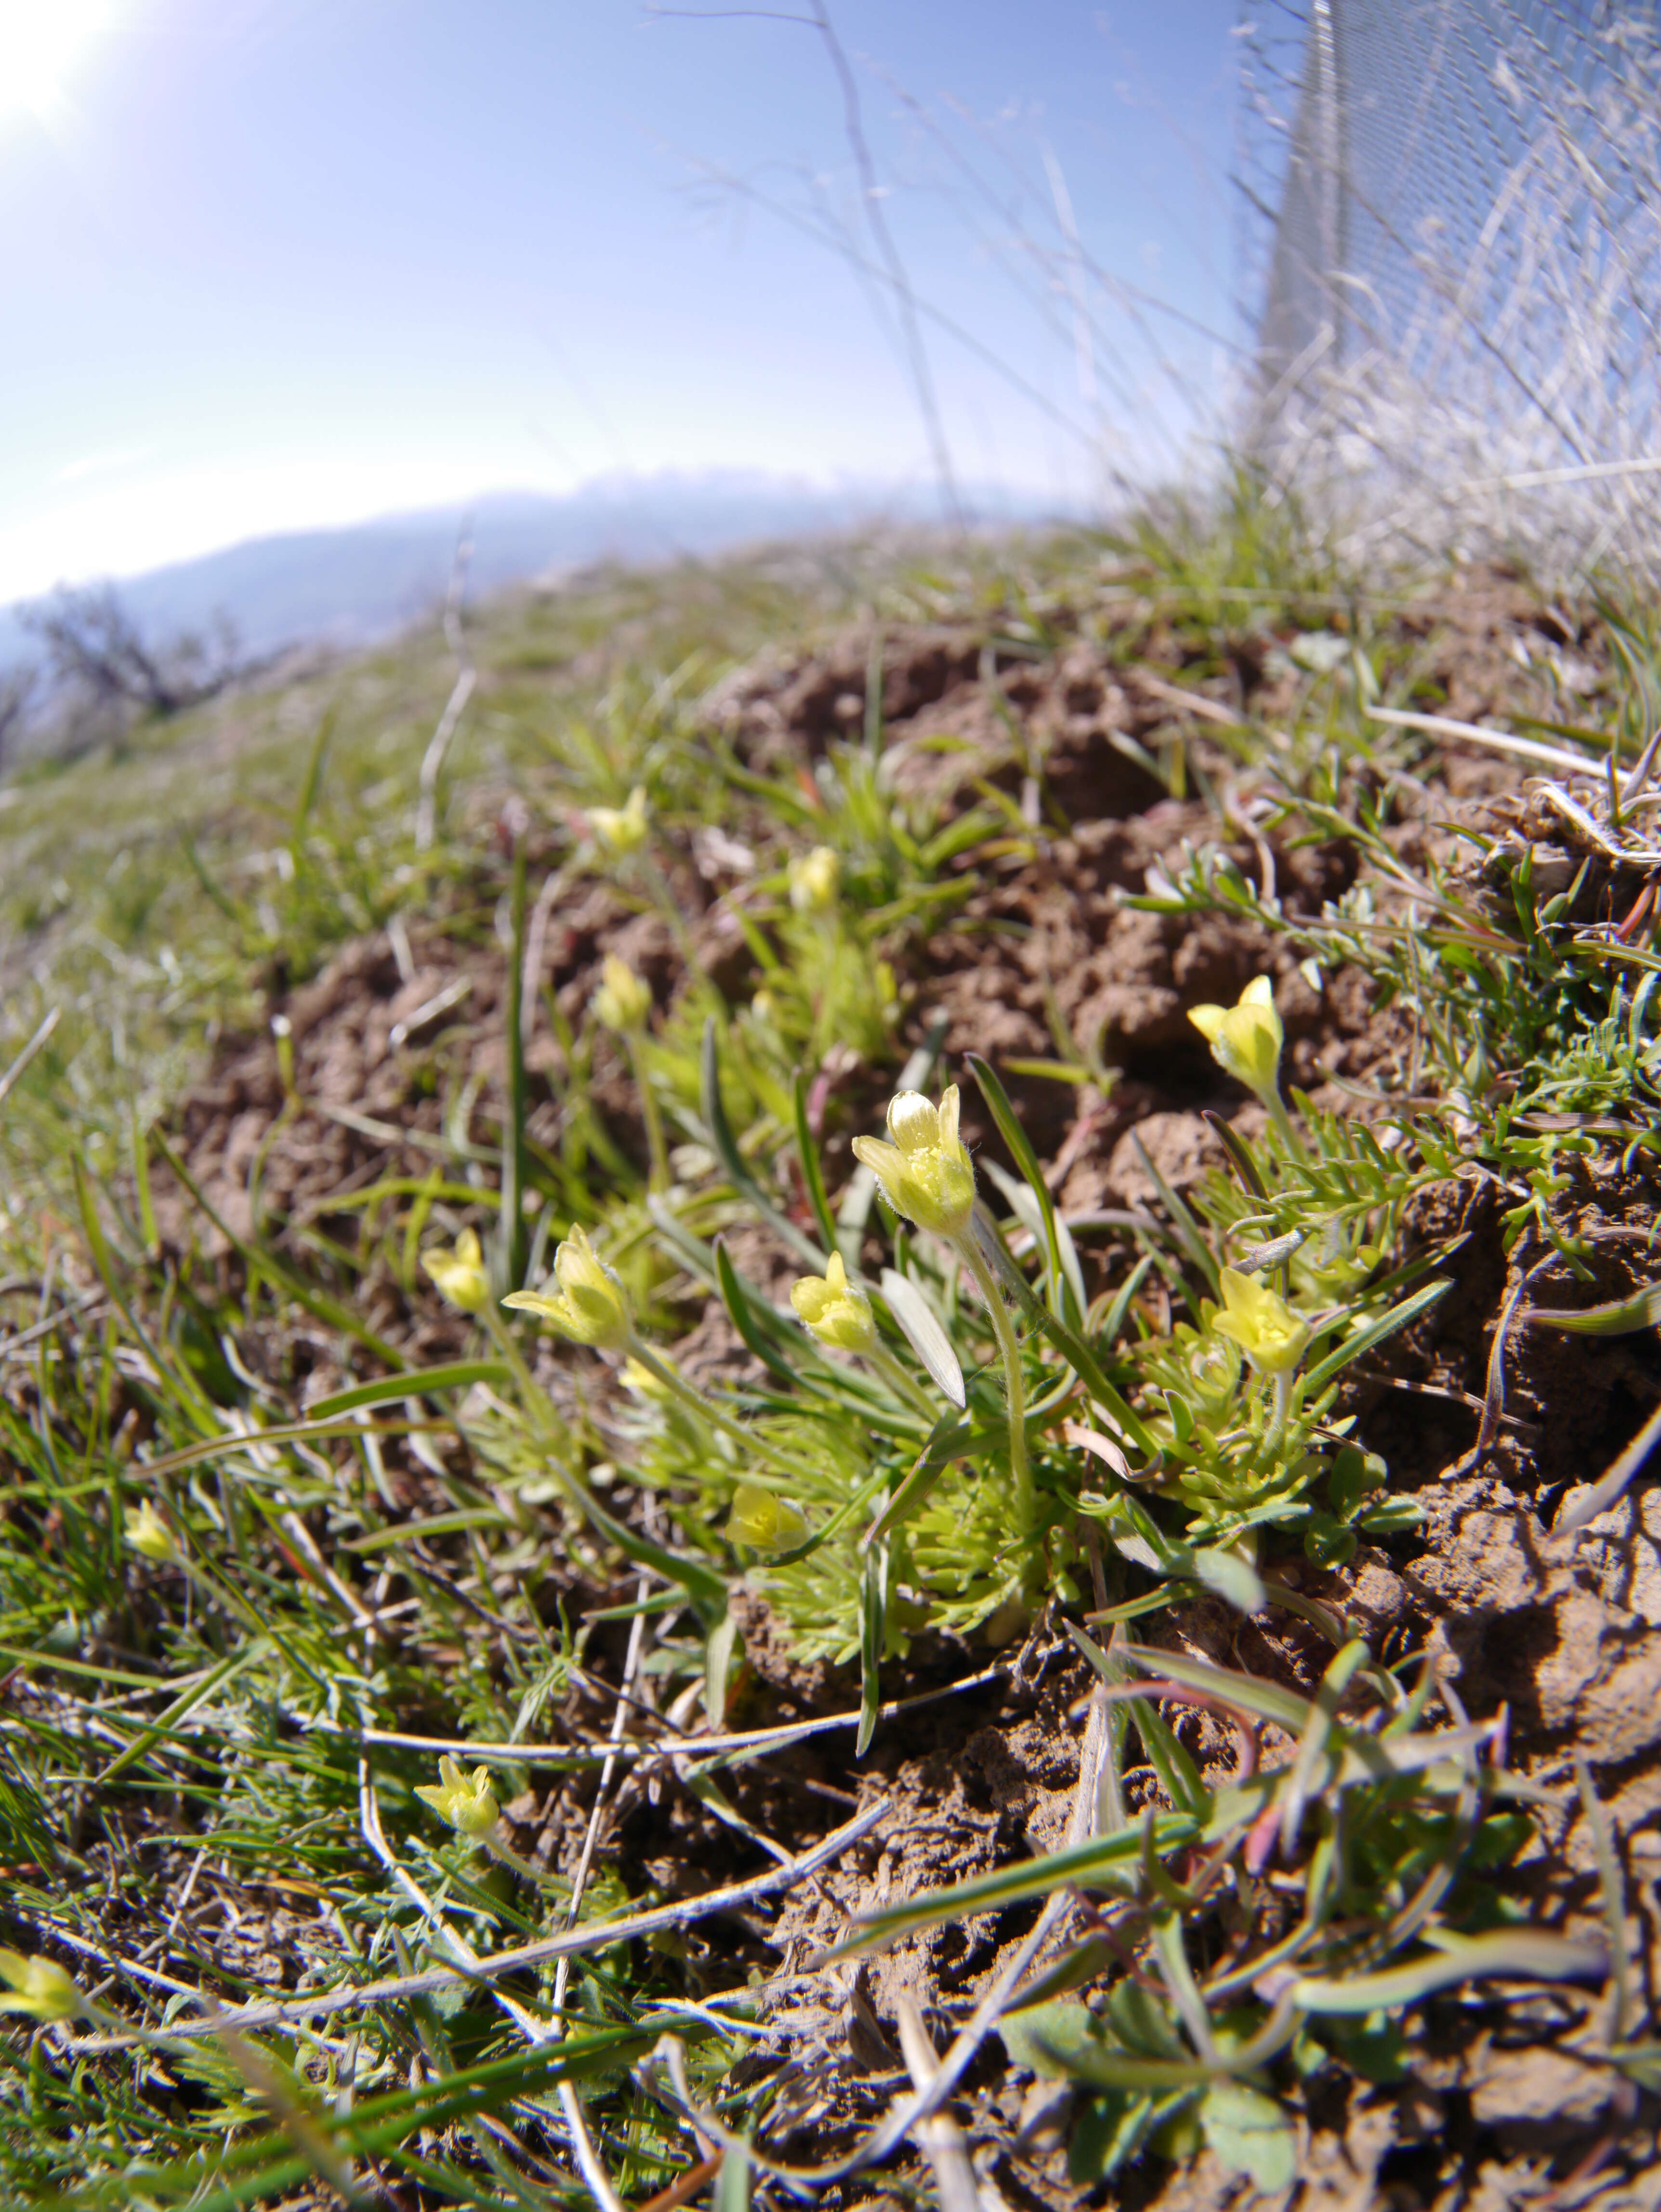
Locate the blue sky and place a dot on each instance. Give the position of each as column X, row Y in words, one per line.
column 273, row 263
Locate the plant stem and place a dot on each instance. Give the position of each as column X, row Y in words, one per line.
column 1277, row 1427
column 1277, row 1114
column 650, row 1114
column 696, row 1402
column 537, row 1404
column 1026, row 1503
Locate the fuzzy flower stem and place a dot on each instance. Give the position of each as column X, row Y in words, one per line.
column 650, row 1113
column 1277, row 1427
column 505, row 1855
column 1027, row 1505
column 535, row 1398
column 1275, row 1106
column 696, row 1402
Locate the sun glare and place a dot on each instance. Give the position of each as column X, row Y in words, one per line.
column 40, row 43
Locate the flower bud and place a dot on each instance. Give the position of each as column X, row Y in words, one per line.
column 459, row 1273
column 624, row 1000
column 815, row 878
column 926, row 1173
column 148, row 1534
column 1245, row 1039
column 1273, row 1337
column 836, row 1311
column 763, row 1521
column 590, row 1306
column 620, row 830
column 38, row 1988
column 469, row 1806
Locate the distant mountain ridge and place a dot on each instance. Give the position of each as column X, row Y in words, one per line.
column 348, row 587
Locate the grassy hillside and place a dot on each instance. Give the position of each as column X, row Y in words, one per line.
column 1119, row 1663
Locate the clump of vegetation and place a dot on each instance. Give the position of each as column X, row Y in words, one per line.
column 368, row 1567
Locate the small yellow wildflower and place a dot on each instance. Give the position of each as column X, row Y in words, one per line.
column 459, row 1273
column 815, row 878
column 836, row 1311
column 763, row 1521
column 620, row 830
column 38, row 1988
column 590, row 1306
column 148, row 1534
column 469, row 1805
column 624, row 1000
column 1245, row 1039
column 1271, row 1334
column 926, row 1173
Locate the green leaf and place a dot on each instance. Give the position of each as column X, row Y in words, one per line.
column 717, row 1665
column 1249, row 2133
column 706, row 1588
column 1111, row 2128
column 1233, row 1578
column 1071, row 1347
column 923, row 1332
column 732, row 2188
column 1382, row 1325
column 1527, row 1953
column 950, row 1437
column 1618, row 1318
column 733, row 1160
column 460, row 1374
column 1048, row 2038
column 744, row 1317
column 1187, row 1228
column 874, row 1621
column 812, row 1173
column 1026, row 1160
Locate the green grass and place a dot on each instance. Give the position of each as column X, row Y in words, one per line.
column 214, row 1735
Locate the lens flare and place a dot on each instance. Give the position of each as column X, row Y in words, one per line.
column 40, row 44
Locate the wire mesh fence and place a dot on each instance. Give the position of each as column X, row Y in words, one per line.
column 1452, row 225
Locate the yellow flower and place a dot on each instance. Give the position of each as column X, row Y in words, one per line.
column 622, row 1000
column 814, row 879
column 925, row 1173
column 836, row 1311
column 38, row 1988
column 1272, row 1336
column 620, row 830
column 468, row 1805
column 590, row 1306
column 763, row 1521
column 1245, row 1039
column 149, row 1534
column 460, row 1273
